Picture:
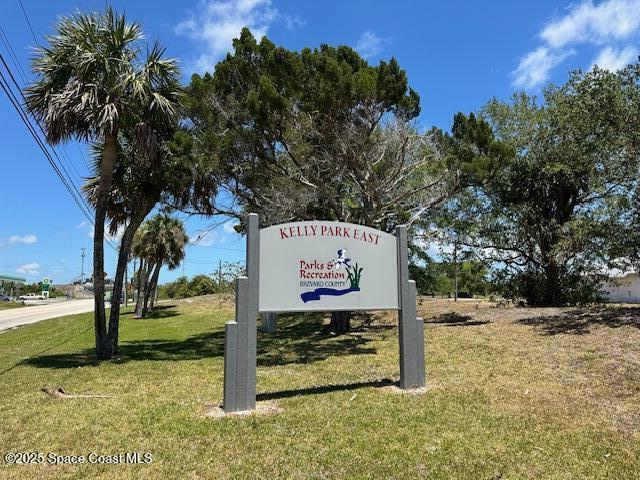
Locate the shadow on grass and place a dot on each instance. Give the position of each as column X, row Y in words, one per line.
column 580, row 321
column 37, row 355
column 385, row 382
column 162, row 311
column 299, row 338
column 453, row 319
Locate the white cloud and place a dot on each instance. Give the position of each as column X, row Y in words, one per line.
column 614, row 59
column 85, row 225
column 229, row 227
column 217, row 22
column 29, row 269
column 27, row 239
column 611, row 20
column 292, row 21
column 535, row 67
column 369, row 44
column 607, row 23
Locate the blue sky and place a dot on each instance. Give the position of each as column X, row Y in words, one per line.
column 457, row 55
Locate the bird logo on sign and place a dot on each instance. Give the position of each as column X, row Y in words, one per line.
column 342, row 260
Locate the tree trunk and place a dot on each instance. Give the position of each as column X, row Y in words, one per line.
column 552, row 291
column 340, row 322
column 123, row 257
column 150, row 287
column 153, row 287
column 142, row 292
column 153, row 297
column 138, row 281
column 107, row 163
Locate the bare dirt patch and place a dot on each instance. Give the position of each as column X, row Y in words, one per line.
column 268, row 407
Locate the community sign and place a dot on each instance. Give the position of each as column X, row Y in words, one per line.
column 325, row 266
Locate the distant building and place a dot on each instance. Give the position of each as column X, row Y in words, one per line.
column 9, row 284
column 624, row 289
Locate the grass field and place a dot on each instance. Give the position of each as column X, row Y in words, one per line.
column 4, row 305
column 513, row 393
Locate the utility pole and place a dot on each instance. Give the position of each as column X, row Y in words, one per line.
column 219, row 273
column 84, row 250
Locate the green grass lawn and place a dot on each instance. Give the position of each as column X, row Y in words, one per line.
column 11, row 305
column 513, row 393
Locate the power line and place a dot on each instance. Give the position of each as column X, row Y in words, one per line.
column 74, row 170
column 28, row 22
column 86, row 164
column 67, row 182
column 229, row 249
column 12, row 54
column 13, row 79
column 23, row 115
column 16, row 105
column 24, row 76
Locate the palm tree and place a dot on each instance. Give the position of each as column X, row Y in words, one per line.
column 172, row 174
column 159, row 241
column 136, row 188
column 91, row 84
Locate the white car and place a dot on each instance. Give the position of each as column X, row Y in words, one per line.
column 31, row 296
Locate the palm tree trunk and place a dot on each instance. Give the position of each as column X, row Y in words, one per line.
column 154, row 286
column 137, row 274
column 139, row 280
column 150, row 287
column 123, row 256
column 142, row 294
column 109, row 155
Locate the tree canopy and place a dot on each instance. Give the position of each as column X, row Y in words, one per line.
column 550, row 183
column 318, row 133
column 94, row 82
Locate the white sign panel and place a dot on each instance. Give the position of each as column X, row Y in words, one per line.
column 318, row 265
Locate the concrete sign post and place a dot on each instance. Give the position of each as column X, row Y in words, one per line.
column 319, row 266
column 240, row 336
column 411, row 328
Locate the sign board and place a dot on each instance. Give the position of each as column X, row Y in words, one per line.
column 327, row 266
column 319, row 266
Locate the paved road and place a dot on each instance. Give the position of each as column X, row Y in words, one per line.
column 14, row 317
